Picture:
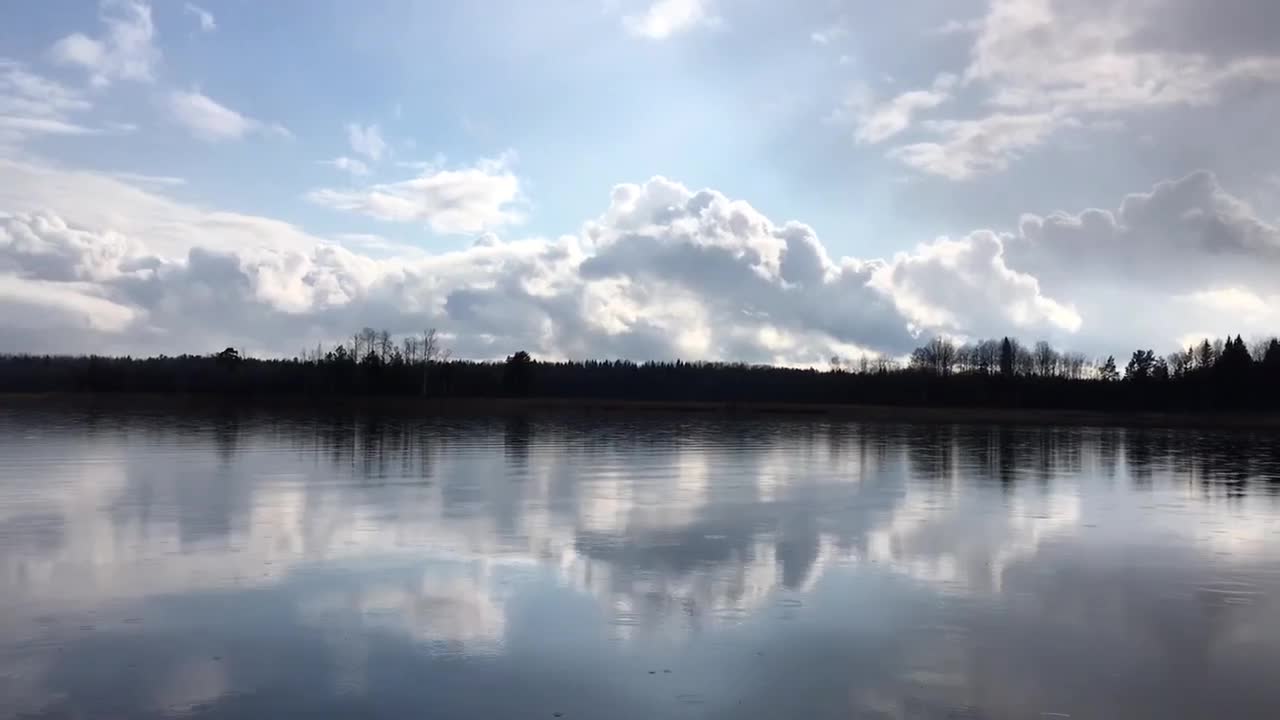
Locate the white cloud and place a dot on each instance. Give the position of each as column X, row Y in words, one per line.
column 47, row 247
column 349, row 165
column 965, row 286
column 23, row 92
column 665, row 18
column 59, row 307
column 465, row 200
column 366, row 141
column 890, row 118
column 208, row 120
column 34, row 105
column 22, row 126
column 125, row 51
column 1253, row 314
column 169, row 228
column 207, row 22
column 973, row 147
column 1240, row 303
column 663, row 272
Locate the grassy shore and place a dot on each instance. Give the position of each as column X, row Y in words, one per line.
column 415, row 406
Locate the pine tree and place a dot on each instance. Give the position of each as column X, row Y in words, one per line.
column 1235, row 361
column 1271, row 359
column 1006, row 358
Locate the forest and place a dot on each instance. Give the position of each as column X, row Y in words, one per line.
column 1227, row 374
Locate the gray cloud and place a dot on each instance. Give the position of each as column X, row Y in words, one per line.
column 1225, row 28
column 1039, row 66
column 1185, row 234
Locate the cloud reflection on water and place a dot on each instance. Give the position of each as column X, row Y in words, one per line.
column 243, row 559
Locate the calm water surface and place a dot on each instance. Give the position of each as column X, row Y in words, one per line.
column 208, row 567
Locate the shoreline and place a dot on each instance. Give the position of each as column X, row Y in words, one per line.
column 416, row 406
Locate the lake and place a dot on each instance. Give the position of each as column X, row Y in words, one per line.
column 207, row 566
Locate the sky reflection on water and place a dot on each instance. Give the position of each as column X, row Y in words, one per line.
column 207, row 566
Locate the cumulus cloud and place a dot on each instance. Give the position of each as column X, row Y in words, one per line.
column 663, row 272
column 743, row 280
column 1182, row 236
column 125, row 51
column 465, row 200
column 664, row 18
column 211, row 121
column 1186, row 257
column 45, row 247
column 966, row 287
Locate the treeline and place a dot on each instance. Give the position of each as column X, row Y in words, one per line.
column 1221, row 375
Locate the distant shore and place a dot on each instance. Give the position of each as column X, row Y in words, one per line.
column 417, row 406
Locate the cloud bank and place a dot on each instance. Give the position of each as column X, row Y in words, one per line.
column 663, row 272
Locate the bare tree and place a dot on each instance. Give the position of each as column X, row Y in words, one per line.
column 1258, row 348
column 369, row 341
column 1046, row 359
column 986, row 356
column 384, row 346
column 1181, row 362
column 430, row 348
column 1073, row 365
column 885, row 364
column 1024, row 362
column 938, row 356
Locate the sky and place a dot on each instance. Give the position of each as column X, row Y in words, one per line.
column 649, row 179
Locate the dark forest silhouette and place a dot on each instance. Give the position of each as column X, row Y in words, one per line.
column 1004, row 373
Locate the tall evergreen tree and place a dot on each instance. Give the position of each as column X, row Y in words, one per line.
column 1271, row 359
column 1007, row 356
